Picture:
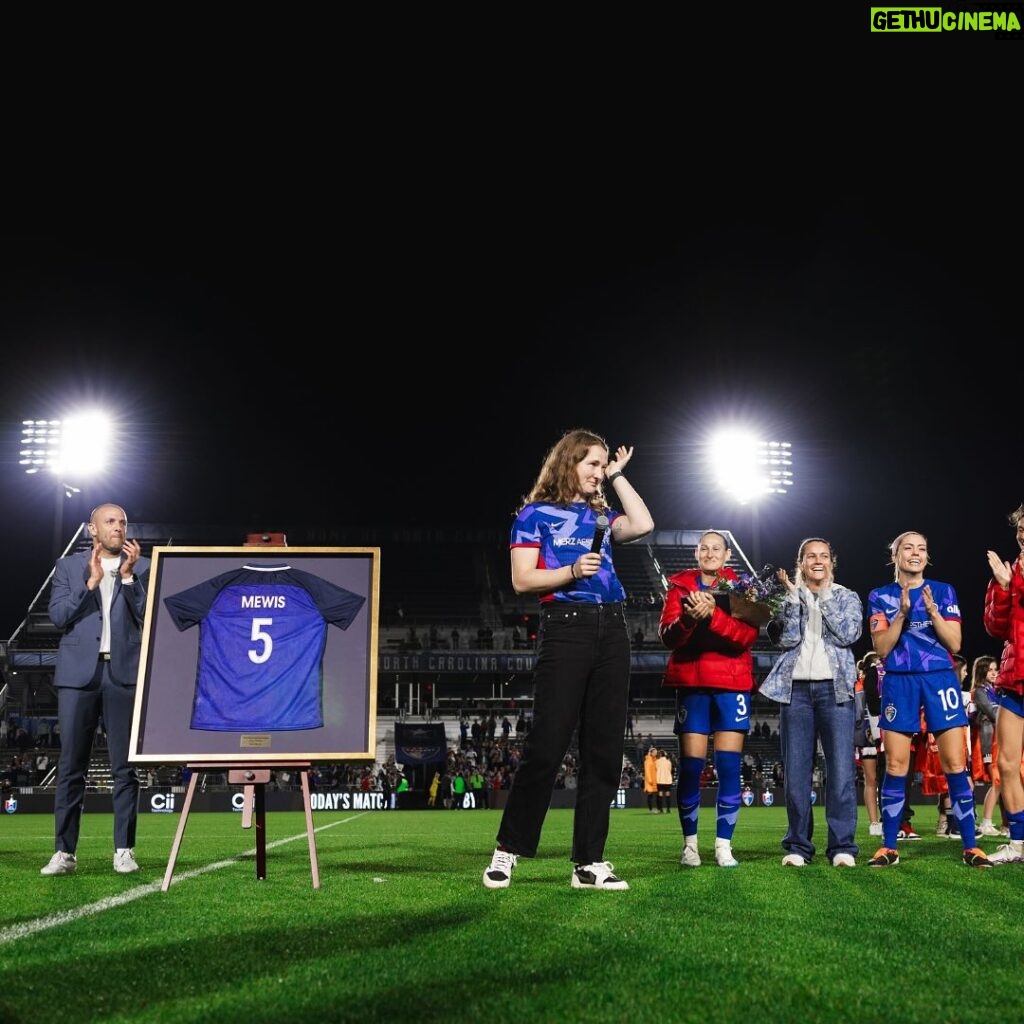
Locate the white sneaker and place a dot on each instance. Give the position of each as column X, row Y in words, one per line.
column 124, row 861
column 61, row 863
column 843, row 860
column 690, row 857
column 499, row 874
column 875, row 828
column 597, row 876
column 986, row 828
column 1010, row 853
column 793, row 860
column 723, row 854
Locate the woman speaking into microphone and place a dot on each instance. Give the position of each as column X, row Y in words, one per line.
column 561, row 548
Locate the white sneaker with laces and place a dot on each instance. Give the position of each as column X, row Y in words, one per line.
column 124, row 861
column 599, row 875
column 843, row 860
column 875, row 828
column 1010, row 853
column 986, row 828
column 793, row 860
column 61, row 863
column 690, row 857
column 499, row 874
column 723, row 854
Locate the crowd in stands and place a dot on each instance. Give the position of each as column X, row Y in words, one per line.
column 484, row 759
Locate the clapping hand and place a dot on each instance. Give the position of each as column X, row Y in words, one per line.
column 1001, row 571
column 132, row 549
column 699, row 604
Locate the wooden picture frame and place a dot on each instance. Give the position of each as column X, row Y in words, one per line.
column 203, row 593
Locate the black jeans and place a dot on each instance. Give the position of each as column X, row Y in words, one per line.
column 581, row 678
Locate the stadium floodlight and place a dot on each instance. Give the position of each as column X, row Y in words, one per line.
column 747, row 467
column 73, row 448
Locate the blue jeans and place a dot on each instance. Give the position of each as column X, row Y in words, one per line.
column 581, row 678
column 813, row 714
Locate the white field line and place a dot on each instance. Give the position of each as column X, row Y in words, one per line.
column 41, row 924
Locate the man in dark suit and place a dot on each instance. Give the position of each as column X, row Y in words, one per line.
column 98, row 600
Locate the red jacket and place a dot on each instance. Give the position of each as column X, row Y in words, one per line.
column 1004, row 620
column 714, row 652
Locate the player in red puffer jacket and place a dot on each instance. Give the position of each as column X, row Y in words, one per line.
column 1004, row 620
column 712, row 670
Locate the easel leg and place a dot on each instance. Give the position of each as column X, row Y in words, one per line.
column 180, row 834
column 314, row 866
column 261, row 832
column 254, row 782
column 247, row 799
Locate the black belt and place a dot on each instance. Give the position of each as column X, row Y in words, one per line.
column 591, row 609
column 104, row 657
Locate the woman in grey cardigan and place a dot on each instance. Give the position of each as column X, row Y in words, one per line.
column 813, row 681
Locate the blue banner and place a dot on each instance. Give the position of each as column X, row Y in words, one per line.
column 420, row 744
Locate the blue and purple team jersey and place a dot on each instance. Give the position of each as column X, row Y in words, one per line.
column 262, row 635
column 563, row 533
column 918, row 648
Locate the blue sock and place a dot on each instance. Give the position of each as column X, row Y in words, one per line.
column 893, row 796
column 727, row 763
column 688, row 793
column 961, row 798
column 1015, row 823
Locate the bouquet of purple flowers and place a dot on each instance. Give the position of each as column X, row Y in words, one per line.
column 753, row 598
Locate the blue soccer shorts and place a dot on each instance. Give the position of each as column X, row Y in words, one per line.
column 705, row 711
column 906, row 694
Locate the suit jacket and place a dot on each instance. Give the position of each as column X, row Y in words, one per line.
column 78, row 612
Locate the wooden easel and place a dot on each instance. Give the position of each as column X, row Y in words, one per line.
column 254, row 776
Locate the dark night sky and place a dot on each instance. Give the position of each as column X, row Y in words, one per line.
column 396, row 366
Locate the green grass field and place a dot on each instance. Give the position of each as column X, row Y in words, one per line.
column 401, row 928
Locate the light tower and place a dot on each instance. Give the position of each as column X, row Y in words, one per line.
column 68, row 449
column 748, row 468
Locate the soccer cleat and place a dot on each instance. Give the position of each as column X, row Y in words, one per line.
column 906, row 832
column 124, row 862
column 987, row 829
column 975, row 858
column 61, row 863
column 884, row 858
column 843, row 860
column 690, row 857
column 793, row 860
column 499, row 874
column 599, row 875
column 1010, row 853
column 875, row 828
column 723, row 855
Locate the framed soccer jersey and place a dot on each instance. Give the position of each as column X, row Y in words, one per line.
column 259, row 653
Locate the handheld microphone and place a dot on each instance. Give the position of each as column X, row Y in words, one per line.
column 599, row 532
